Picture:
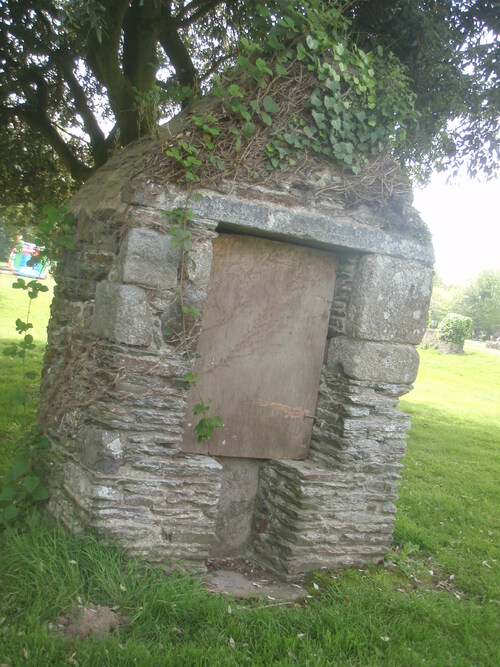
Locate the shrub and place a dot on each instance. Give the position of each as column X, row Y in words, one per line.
column 455, row 328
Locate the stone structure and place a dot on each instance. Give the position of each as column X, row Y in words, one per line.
column 117, row 419
column 430, row 339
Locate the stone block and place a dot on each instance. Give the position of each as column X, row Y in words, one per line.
column 390, row 300
column 147, row 258
column 101, row 450
column 122, row 314
column 308, row 518
column 239, row 482
column 377, row 362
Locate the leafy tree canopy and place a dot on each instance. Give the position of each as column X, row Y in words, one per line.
column 69, row 69
column 481, row 302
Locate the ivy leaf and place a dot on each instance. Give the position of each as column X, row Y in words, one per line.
column 255, row 106
column 262, row 66
column 234, row 91
column 301, row 52
column 330, row 102
column 319, row 117
column 242, row 61
column 266, row 118
column 312, row 43
column 248, row 130
column 270, row 105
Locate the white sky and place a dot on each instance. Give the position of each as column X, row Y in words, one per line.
column 464, row 219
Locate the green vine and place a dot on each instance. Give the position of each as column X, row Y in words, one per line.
column 21, row 488
column 307, row 90
column 181, row 238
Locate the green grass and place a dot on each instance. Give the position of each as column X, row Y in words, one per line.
column 449, row 499
column 436, row 599
column 16, row 416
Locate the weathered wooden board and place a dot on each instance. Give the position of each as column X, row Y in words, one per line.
column 261, row 347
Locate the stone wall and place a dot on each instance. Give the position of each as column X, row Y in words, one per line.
column 338, row 508
column 113, row 409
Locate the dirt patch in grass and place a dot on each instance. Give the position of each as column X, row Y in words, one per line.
column 84, row 621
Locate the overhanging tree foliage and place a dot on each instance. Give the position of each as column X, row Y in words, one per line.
column 481, row 302
column 70, row 68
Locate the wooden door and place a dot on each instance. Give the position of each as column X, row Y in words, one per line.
column 261, row 347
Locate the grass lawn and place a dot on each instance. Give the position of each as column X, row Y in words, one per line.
column 17, row 406
column 436, row 601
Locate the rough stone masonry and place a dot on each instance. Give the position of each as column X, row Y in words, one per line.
column 116, row 417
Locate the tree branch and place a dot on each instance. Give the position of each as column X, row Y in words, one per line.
column 176, row 50
column 39, row 121
column 96, row 135
column 183, row 19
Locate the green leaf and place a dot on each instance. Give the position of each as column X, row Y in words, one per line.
column 234, row 90
column 22, row 326
column 31, row 483
column 262, row 66
column 40, row 494
column 301, row 52
column 8, row 492
column 9, row 513
column 330, row 102
column 270, row 105
column 319, row 117
column 280, row 69
column 312, row 43
column 242, row 61
column 266, row 118
column 191, row 310
column 248, row 130
column 19, row 468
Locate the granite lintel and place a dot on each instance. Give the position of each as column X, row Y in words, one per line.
column 297, row 225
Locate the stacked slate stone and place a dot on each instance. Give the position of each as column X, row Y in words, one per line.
column 337, row 508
